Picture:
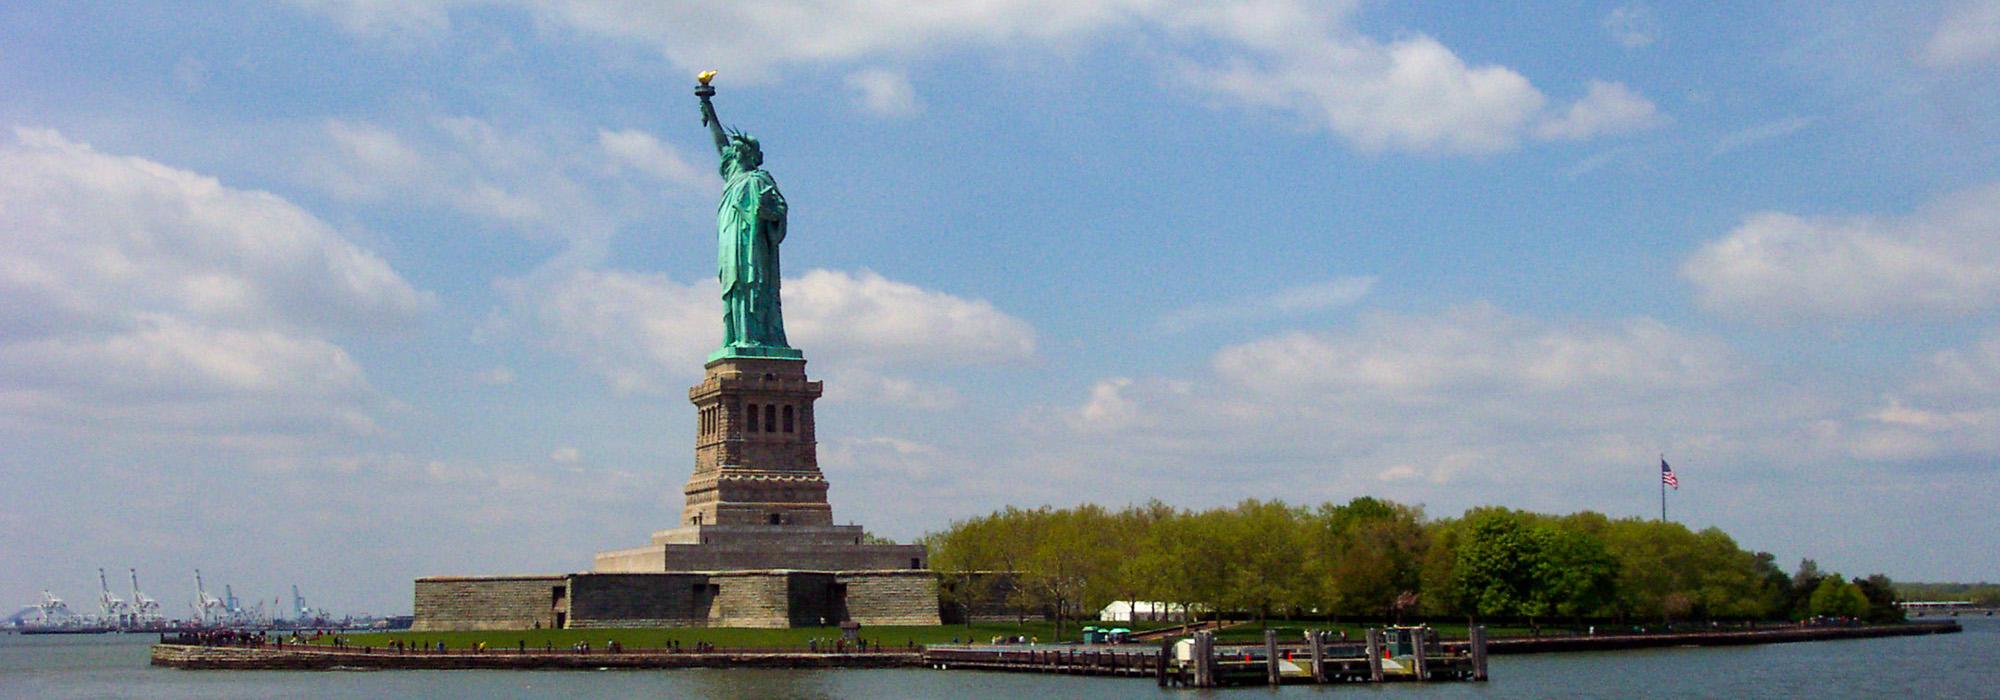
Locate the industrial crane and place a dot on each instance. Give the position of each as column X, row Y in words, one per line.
column 145, row 610
column 54, row 610
column 206, row 607
column 113, row 606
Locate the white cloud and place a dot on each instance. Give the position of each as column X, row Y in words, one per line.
column 1949, row 409
column 1968, row 371
column 1286, row 304
column 640, row 332
column 571, row 187
column 1632, row 26
column 860, row 384
column 1943, row 260
column 884, row 92
column 1968, row 35
column 1609, row 108
column 866, row 318
column 1422, row 408
column 138, row 300
column 643, row 152
column 649, row 333
column 1760, row 133
column 1412, row 93
column 95, row 238
column 1473, row 349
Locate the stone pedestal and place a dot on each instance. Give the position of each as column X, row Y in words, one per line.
column 756, row 456
column 757, row 499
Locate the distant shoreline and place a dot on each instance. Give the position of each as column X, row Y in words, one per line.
column 319, row 658
column 1778, row 635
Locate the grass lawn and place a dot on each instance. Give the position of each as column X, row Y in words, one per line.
column 730, row 637
column 1294, row 630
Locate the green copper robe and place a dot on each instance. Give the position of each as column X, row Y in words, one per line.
column 750, row 223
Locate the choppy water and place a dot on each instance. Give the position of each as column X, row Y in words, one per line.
column 1944, row 666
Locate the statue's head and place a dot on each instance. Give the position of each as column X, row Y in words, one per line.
column 743, row 147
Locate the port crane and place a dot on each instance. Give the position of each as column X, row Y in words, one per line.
column 54, row 610
column 206, row 608
column 114, row 607
column 145, row 609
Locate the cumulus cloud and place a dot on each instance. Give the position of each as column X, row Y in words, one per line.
column 1412, row 93
column 1608, row 108
column 647, row 154
column 130, row 286
column 574, row 188
column 1948, row 409
column 1403, row 405
column 640, row 332
column 1968, row 35
column 866, row 318
column 884, row 92
column 650, row 333
column 1473, row 349
column 1943, row 260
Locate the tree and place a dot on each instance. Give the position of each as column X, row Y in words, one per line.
column 1881, row 596
column 1364, row 555
column 1836, row 598
column 1511, row 565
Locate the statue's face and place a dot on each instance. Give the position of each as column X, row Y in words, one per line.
column 746, row 152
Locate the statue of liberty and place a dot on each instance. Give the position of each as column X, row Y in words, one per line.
column 750, row 223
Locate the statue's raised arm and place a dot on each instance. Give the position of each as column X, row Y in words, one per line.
column 708, row 118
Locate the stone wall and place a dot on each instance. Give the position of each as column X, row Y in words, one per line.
column 451, row 603
column 640, row 600
column 891, row 597
column 631, row 561
column 804, row 555
column 751, row 599
column 763, row 599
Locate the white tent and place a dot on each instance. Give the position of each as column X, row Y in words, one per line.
column 1142, row 611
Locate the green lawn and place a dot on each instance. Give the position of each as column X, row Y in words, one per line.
column 888, row 636
column 729, row 637
column 1294, row 630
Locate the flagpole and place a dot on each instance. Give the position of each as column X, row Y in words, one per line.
column 1663, row 489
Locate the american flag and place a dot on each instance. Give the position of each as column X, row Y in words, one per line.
column 1667, row 476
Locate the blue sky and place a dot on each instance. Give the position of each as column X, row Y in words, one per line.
column 347, row 292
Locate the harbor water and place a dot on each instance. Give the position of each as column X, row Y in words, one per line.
column 1965, row 665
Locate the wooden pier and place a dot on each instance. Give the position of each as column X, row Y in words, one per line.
column 1386, row 655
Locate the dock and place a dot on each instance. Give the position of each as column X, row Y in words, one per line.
column 1384, row 655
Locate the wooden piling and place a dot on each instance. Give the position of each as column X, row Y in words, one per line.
column 1204, row 660
column 1374, row 655
column 1478, row 647
column 1419, row 640
column 1270, row 657
column 1160, row 664
column 1316, row 639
